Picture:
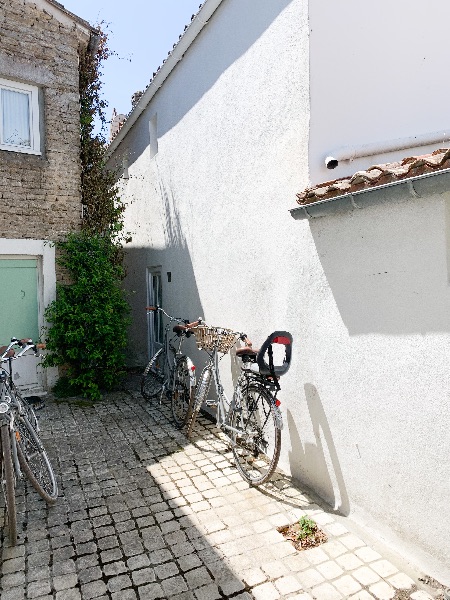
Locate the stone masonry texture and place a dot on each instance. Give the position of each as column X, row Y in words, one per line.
column 145, row 514
column 41, row 194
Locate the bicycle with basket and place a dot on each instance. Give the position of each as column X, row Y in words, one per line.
column 252, row 420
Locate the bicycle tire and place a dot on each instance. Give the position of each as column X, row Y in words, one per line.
column 181, row 395
column 153, row 376
column 256, row 449
column 201, row 392
column 9, row 483
column 34, row 461
column 27, row 408
column 192, row 418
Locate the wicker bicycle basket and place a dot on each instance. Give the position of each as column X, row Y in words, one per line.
column 210, row 338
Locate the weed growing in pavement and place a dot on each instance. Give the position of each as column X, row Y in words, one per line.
column 307, row 528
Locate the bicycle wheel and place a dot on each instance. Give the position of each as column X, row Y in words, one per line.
column 257, row 445
column 181, row 395
column 201, row 391
column 153, row 376
column 27, row 408
column 9, row 483
column 34, row 461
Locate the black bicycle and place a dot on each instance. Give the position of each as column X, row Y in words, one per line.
column 169, row 371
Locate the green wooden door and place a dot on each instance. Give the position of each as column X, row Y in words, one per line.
column 19, row 315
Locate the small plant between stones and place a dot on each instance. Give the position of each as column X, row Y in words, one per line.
column 304, row 534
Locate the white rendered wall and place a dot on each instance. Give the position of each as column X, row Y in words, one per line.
column 365, row 295
column 376, row 75
column 231, row 146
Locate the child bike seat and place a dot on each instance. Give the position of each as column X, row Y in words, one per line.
column 269, row 368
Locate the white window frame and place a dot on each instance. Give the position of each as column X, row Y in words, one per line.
column 35, row 138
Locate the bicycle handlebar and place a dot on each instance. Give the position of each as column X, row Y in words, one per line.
column 194, row 323
column 178, row 319
column 8, row 353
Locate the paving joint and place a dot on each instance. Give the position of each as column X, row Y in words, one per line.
column 146, row 514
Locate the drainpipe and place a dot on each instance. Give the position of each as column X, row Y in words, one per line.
column 416, row 141
column 94, row 43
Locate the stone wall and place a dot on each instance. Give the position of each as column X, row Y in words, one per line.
column 41, row 194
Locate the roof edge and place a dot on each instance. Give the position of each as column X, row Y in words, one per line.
column 415, row 187
column 60, row 8
column 200, row 20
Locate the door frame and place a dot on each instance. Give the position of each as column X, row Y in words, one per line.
column 153, row 344
column 44, row 252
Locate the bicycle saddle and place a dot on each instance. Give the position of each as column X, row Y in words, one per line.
column 246, row 351
column 180, row 329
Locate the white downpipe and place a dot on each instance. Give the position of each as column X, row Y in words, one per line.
column 416, row 141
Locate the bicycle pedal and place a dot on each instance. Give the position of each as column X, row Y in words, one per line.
column 211, row 403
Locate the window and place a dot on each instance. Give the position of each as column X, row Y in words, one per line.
column 153, row 130
column 19, row 117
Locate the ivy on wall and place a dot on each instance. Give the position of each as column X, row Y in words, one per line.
column 103, row 210
column 89, row 318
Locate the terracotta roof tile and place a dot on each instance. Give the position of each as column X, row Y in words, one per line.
column 378, row 175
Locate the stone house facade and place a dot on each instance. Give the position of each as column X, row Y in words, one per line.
column 39, row 156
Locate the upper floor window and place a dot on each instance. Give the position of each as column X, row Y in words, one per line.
column 19, row 117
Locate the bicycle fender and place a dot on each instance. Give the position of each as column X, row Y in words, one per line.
column 192, row 375
column 278, row 417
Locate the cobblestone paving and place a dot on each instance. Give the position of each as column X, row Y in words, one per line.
column 144, row 514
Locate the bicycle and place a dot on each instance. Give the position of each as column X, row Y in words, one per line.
column 252, row 421
column 22, row 451
column 171, row 374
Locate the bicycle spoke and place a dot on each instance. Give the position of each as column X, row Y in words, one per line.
column 181, row 393
column 257, row 443
column 34, row 461
column 153, row 377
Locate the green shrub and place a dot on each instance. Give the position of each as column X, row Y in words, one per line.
column 89, row 318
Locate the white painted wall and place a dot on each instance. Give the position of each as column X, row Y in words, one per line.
column 365, row 295
column 207, row 185
column 376, row 75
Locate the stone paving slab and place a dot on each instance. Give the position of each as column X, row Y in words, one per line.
column 146, row 514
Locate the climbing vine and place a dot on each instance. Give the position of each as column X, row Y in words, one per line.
column 103, row 209
column 89, row 318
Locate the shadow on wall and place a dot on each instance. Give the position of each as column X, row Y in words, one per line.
column 180, row 295
column 234, row 28
column 387, row 267
column 317, row 464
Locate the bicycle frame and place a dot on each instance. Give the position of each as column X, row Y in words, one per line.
column 223, row 402
column 171, row 354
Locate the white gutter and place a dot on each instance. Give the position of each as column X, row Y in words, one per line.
column 194, row 28
column 416, row 141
